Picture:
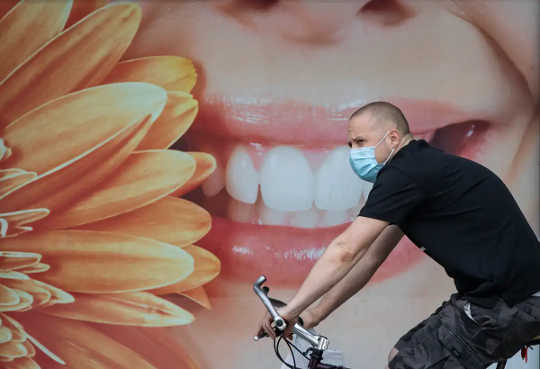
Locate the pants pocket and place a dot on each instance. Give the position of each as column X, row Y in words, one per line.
column 460, row 350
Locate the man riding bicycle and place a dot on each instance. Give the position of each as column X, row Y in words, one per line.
column 461, row 215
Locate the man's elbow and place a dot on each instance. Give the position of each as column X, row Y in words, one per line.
column 344, row 253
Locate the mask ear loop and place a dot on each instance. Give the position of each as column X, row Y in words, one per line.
column 383, row 137
column 391, row 152
column 389, row 156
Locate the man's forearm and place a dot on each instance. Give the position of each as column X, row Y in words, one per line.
column 338, row 259
column 326, row 272
column 360, row 274
column 349, row 285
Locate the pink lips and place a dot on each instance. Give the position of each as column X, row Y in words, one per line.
column 286, row 254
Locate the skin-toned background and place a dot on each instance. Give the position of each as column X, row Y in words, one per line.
column 289, row 73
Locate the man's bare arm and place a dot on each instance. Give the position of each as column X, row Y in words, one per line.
column 338, row 259
column 359, row 275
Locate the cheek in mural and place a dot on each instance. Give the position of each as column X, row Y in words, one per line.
column 274, row 108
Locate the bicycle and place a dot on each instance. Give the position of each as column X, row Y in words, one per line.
column 318, row 343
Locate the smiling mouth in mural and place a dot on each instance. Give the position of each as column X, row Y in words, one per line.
column 283, row 188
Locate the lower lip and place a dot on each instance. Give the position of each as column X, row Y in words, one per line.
column 285, row 255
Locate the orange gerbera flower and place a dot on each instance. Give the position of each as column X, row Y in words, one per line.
column 91, row 228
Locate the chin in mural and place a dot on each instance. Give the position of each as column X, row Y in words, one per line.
column 93, row 229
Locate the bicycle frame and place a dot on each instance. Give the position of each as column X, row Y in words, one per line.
column 318, row 343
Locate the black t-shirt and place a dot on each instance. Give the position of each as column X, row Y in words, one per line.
column 464, row 217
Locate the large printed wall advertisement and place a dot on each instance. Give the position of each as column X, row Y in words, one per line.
column 158, row 156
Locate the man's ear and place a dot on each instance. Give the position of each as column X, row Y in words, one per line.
column 395, row 136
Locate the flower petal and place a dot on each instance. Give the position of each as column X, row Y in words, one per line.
column 36, row 268
column 163, row 348
column 8, row 297
column 103, row 262
column 5, row 152
column 6, row 6
column 14, row 177
column 30, row 348
column 136, row 308
column 57, row 295
column 41, row 19
column 80, row 345
column 206, row 164
column 10, row 260
column 25, row 302
column 5, row 334
column 171, row 220
column 173, row 73
column 22, row 363
column 10, row 274
column 77, row 58
column 198, row 295
column 72, row 125
column 39, row 294
column 207, row 267
column 13, row 349
column 17, row 331
column 177, row 117
column 16, row 221
column 143, row 178
column 68, row 181
column 81, row 8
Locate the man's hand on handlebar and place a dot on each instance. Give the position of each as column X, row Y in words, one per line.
column 266, row 324
column 309, row 319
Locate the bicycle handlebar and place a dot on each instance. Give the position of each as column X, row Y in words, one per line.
column 262, row 292
column 318, row 342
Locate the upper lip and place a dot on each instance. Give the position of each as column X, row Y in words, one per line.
column 299, row 123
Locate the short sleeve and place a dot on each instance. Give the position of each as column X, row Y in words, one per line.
column 393, row 197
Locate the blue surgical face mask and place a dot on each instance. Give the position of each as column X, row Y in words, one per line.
column 363, row 161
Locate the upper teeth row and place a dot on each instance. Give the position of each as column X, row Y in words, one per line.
column 288, row 182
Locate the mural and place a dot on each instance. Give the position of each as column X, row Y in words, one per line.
column 158, row 156
column 93, row 226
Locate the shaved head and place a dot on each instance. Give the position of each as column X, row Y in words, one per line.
column 384, row 115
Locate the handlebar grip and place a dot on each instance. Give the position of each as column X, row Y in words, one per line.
column 262, row 292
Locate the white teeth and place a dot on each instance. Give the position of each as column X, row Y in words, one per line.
column 240, row 211
column 269, row 216
column 304, row 219
column 214, row 183
column 337, row 188
column 334, row 217
column 289, row 188
column 242, row 179
column 287, row 182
